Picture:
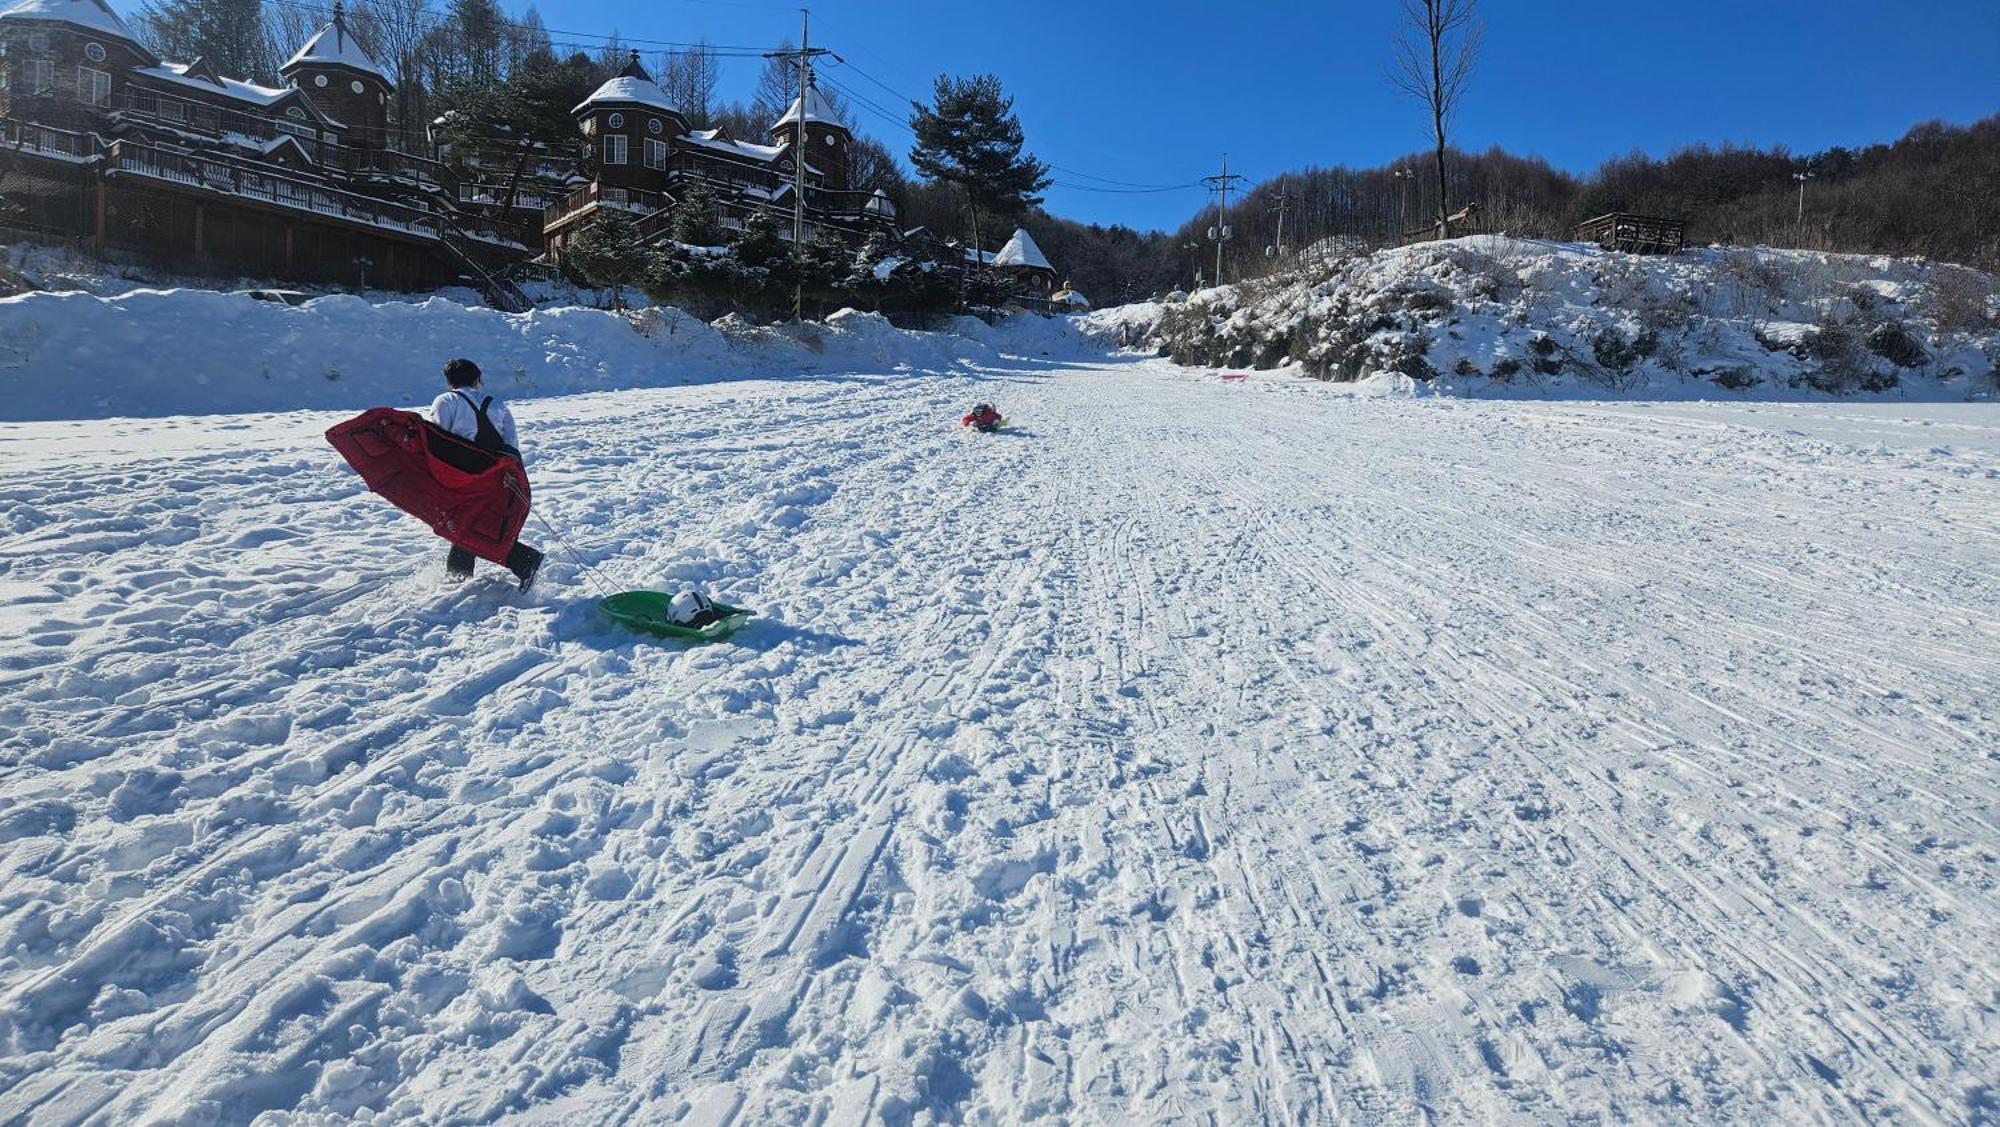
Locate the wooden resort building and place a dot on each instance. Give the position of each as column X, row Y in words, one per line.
column 177, row 165
column 642, row 153
column 182, row 166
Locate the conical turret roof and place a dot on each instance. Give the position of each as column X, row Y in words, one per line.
column 90, row 15
column 334, row 45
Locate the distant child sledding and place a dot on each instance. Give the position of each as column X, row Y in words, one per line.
column 459, row 472
column 984, row 417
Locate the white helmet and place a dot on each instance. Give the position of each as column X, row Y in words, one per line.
column 688, row 606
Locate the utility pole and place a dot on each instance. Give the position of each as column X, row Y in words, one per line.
column 1802, row 177
column 1221, row 233
column 806, row 53
column 1284, row 201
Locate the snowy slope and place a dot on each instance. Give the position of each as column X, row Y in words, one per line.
column 1194, row 751
column 148, row 353
column 1494, row 316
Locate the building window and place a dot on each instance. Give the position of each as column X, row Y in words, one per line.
column 614, row 149
column 656, row 154
column 653, row 124
column 618, row 121
column 40, row 77
column 319, row 80
column 172, row 110
column 295, row 113
column 93, row 86
column 356, row 87
column 38, row 41
column 94, row 52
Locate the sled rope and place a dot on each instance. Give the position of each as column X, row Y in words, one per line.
column 596, row 577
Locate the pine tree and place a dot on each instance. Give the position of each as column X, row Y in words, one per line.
column 606, row 254
column 969, row 137
column 697, row 218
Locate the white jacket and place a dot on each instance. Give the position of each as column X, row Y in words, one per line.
column 453, row 413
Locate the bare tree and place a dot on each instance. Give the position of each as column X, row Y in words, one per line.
column 689, row 78
column 778, row 86
column 1434, row 53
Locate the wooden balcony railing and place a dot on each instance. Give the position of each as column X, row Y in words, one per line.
column 269, row 185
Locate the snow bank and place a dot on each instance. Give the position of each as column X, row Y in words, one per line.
column 1496, row 315
column 172, row 352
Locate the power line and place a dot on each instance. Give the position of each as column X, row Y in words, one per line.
column 436, row 19
column 1127, row 191
column 1108, row 186
column 1127, row 184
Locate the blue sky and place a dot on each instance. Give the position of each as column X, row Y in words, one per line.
column 1153, row 93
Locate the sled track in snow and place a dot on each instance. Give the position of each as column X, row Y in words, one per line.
column 1188, row 753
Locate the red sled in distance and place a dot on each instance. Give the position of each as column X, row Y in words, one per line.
column 475, row 499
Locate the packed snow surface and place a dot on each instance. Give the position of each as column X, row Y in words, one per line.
column 1191, row 751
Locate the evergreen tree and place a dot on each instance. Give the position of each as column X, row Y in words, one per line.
column 606, row 254
column 697, row 219
column 764, row 267
column 970, row 138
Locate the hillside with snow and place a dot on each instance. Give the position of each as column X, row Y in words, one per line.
column 1193, row 750
column 1491, row 316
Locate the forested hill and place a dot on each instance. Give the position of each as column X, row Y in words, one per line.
column 1931, row 193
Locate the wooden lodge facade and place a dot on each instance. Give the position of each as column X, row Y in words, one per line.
column 642, row 153
column 179, row 166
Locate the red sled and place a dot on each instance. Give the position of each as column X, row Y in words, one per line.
column 475, row 499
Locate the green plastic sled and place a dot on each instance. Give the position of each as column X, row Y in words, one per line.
column 647, row 611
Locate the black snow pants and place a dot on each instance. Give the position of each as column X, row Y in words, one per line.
column 521, row 560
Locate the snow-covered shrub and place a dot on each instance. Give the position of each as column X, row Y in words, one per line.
column 1405, row 353
column 1838, row 362
column 1892, row 342
column 1738, row 378
column 1496, row 309
column 1964, row 300
column 1613, row 352
column 1544, row 347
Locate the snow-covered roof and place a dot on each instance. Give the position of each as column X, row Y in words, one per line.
column 334, row 45
column 1022, row 251
column 707, row 140
column 91, row 15
column 816, row 111
column 629, row 89
column 241, row 91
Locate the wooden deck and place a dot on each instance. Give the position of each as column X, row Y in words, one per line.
column 1634, row 234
